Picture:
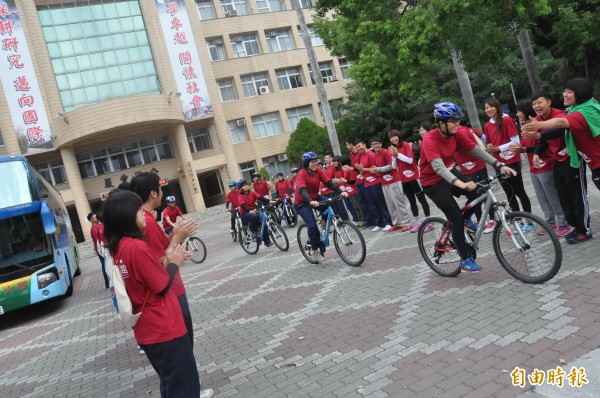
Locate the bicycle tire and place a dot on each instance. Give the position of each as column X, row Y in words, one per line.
column 348, row 239
column 274, row 216
column 431, row 243
column 248, row 244
column 291, row 216
column 278, row 236
column 540, row 261
column 304, row 243
column 198, row 248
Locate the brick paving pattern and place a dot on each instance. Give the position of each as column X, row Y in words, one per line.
column 273, row 325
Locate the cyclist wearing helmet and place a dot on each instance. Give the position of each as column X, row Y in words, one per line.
column 282, row 187
column 170, row 213
column 439, row 183
column 294, row 172
column 232, row 199
column 306, row 195
column 247, row 205
column 261, row 186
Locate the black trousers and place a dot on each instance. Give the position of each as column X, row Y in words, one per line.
column 514, row 188
column 571, row 186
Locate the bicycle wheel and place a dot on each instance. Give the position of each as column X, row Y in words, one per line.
column 534, row 258
column 278, row 236
column 198, row 248
column 436, row 247
column 291, row 216
column 274, row 216
column 304, row 243
column 349, row 243
column 248, row 243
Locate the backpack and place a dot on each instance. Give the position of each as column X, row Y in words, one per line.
column 119, row 295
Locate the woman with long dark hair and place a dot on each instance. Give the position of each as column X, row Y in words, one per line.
column 160, row 331
column 501, row 132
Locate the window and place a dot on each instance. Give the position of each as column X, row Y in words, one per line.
column 251, row 84
column 239, row 6
column 199, row 140
column 216, row 49
column 98, row 51
column 205, row 9
column 273, row 165
column 53, row 171
column 108, row 160
column 269, row 6
column 238, row 133
column 326, row 72
column 227, row 90
column 279, row 40
column 247, row 169
column 288, row 79
column 266, row 125
column 344, row 67
column 314, row 38
column 295, row 114
column 306, row 4
column 337, row 109
column 245, row 46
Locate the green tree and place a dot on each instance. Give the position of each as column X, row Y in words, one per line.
column 308, row 136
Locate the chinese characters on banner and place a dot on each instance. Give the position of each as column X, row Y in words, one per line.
column 185, row 61
column 20, row 84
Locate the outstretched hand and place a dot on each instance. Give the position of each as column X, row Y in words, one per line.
column 176, row 254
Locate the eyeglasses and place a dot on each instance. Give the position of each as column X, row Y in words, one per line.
column 453, row 121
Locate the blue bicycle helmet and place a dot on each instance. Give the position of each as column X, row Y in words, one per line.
column 240, row 183
column 231, row 183
column 307, row 157
column 446, row 110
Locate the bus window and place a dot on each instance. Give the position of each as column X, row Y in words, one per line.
column 14, row 192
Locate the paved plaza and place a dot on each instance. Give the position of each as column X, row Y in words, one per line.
column 273, row 325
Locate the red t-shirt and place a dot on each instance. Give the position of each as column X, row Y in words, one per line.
column 355, row 159
column 546, row 161
column 349, row 187
column 293, row 181
column 435, row 145
column 282, row 188
column 587, row 145
column 143, row 275
column 384, row 158
column 368, row 160
column 262, row 188
column 330, row 173
column 509, row 129
column 172, row 213
column 232, row 197
column 158, row 242
column 557, row 149
column 408, row 172
column 249, row 200
column 94, row 235
column 310, row 182
column 469, row 164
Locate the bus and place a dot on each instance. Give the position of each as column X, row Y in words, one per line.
column 38, row 253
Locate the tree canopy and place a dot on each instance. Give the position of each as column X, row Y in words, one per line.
column 308, row 136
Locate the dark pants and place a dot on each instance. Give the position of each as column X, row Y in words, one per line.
column 305, row 211
column 378, row 210
column 338, row 207
column 413, row 191
column 233, row 219
column 254, row 221
column 441, row 194
column 514, row 188
column 571, row 187
column 362, row 203
column 187, row 317
column 176, row 367
column 480, row 175
column 104, row 274
column 351, row 208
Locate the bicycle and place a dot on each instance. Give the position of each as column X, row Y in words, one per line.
column 287, row 212
column 348, row 240
column 527, row 256
column 237, row 225
column 268, row 225
column 197, row 247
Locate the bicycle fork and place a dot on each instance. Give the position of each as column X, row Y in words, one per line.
column 526, row 245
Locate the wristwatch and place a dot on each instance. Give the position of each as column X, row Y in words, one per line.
column 499, row 165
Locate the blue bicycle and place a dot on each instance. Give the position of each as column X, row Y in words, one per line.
column 287, row 212
column 348, row 240
column 269, row 226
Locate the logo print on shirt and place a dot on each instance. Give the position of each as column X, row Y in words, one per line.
column 506, row 155
column 564, row 152
column 468, row 165
column 388, row 177
column 371, row 179
column 408, row 173
column 540, row 164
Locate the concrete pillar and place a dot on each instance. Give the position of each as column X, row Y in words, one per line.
column 76, row 185
column 189, row 182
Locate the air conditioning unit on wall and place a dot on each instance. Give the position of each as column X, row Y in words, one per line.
column 240, row 122
column 282, row 157
column 238, row 39
column 273, row 34
column 264, row 90
column 218, row 42
column 231, row 13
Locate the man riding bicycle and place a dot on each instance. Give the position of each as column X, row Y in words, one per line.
column 439, row 183
column 307, row 195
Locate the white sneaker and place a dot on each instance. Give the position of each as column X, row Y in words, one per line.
column 387, row 228
column 206, row 393
column 142, row 352
column 319, row 257
column 489, row 228
column 375, row 229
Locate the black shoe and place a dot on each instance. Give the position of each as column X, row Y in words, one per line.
column 268, row 244
column 578, row 238
column 570, row 235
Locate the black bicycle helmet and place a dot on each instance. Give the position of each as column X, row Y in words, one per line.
column 446, row 110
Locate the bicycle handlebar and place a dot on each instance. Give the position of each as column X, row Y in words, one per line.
column 484, row 185
column 329, row 200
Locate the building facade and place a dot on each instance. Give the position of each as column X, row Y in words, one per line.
column 198, row 91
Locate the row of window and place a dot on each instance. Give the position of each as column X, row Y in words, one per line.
column 234, row 8
column 248, row 44
column 287, row 79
